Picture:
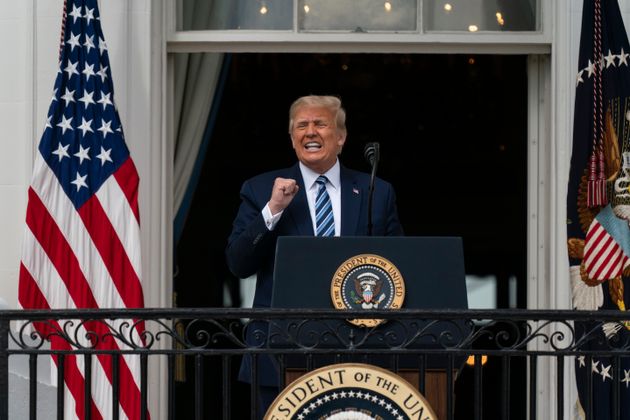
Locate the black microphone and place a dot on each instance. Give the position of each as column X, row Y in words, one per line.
column 372, row 153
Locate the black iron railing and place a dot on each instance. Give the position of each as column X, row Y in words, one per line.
column 211, row 343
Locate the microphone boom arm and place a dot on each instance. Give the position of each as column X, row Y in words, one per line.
column 372, row 155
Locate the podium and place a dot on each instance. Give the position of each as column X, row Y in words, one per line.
column 432, row 269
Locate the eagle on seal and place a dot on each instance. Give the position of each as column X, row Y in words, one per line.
column 368, row 286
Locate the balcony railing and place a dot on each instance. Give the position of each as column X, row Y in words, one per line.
column 211, row 342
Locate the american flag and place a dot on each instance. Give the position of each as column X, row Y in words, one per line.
column 82, row 238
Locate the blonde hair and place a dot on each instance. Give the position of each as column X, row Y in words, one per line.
column 332, row 103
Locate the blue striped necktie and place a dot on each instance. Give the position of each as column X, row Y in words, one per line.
column 324, row 220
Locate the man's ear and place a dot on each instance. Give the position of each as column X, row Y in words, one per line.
column 341, row 140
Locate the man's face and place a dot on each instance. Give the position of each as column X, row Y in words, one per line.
column 315, row 138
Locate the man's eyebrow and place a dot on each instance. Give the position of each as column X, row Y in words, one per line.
column 315, row 120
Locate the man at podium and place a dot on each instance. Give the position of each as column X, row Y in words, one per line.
column 315, row 197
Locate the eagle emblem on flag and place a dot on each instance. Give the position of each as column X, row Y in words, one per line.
column 598, row 207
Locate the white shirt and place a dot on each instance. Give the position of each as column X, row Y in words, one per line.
column 333, row 187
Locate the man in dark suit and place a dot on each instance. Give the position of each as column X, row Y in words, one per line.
column 315, row 196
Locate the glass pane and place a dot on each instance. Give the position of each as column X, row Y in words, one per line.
column 358, row 16
column 480, row 15
column 235, row 14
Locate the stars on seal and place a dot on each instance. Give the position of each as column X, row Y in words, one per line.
column 315, row 406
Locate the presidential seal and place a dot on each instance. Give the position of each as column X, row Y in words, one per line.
column 367, row 282
column 350, row 391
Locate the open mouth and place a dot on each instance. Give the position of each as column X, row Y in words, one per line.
column 312, row 146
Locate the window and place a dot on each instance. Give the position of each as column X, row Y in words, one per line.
column 348, row 16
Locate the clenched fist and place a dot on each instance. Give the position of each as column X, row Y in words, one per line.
column 282, row 193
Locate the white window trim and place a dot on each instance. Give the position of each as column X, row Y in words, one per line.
column 274, row 41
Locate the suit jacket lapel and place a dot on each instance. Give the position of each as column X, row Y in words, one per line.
column 350, row 203
column 298, row 210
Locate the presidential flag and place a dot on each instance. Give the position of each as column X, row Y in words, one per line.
column 598, row 206
column 82, row 238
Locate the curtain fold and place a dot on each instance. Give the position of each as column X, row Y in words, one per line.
column 196, row 86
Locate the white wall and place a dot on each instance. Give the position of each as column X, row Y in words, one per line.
column 29, row 39
column 16, row 120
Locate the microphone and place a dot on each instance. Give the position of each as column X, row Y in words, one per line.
column 372, row 153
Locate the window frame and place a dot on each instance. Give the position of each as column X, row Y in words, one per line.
column 482, row 42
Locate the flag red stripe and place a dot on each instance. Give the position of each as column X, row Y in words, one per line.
column 120, row 215
column 129, row 397
column 29, row 293
column 65, row 214
column 128, row 179
column 74, row 378
column 113, row 253
column 59, row 252
column 72, row 375
column 62, row 257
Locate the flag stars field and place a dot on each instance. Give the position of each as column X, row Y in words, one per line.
column 82, row 154
column 62, row 151
column 89, row 43
column 87, row 98
column 105, row 128
column 71, row 69
column 105, row 100
column 80, row 181
column 103, row 73
column 76, row 13
column 73, row 41
column 68, row 97
column 104, row 156
column 88, row 71
column 85, row 126
column 102, row 46
column 85, row 51
column 65, row 124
